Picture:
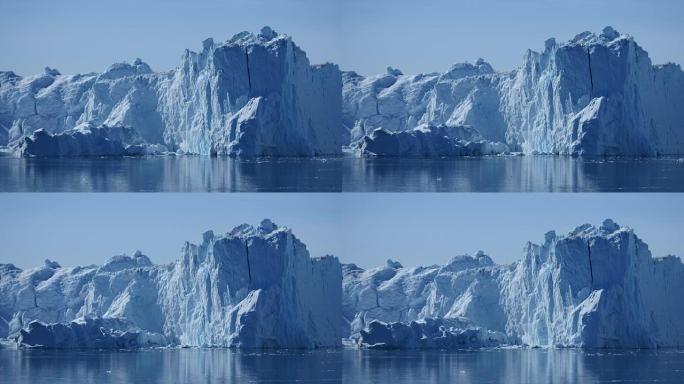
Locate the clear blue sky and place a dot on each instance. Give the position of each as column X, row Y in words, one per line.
column 365, row 229
column 415, row 36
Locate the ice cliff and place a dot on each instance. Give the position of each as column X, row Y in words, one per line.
column 253, row 287
column 253, row 95
column 593, row 95
column 257, row 287
column 257, row 95
column 594, row 287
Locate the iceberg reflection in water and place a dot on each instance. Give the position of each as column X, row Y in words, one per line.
column 347, row 366
column 348, row 174
column 169, row 174
column 514, row 174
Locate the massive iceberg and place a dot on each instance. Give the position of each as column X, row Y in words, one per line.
column 253, row 95
column 595, row 287
column 254, row 287
column 257, row 287
column 257, row 95
column 593, row 95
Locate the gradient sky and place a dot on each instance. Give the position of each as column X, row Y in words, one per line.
column 414, row 228
column 367, row 36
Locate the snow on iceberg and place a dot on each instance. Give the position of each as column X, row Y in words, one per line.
column 594, row 287
column 254, row 287
column 253, row 95
column 593, row 95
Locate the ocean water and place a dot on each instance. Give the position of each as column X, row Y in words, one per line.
column 514, row 174
column 169, row 174
column 346, row 174
column 341, row 366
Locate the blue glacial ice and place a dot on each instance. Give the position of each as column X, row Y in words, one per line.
column 595, row 287
column 252, row 95
column 253, row 287
column 257, row 287
column 258, row 95
column 597, row 94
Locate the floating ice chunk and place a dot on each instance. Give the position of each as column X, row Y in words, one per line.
column 428, row 141
column 427, row 334
column 83, row 140
column 87, row 333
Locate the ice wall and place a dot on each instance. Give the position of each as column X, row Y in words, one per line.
column 594, row 287
column 253, row 95
column 593, row 95
column 254, row 287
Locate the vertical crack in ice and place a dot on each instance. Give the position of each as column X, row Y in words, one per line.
column 249, row 268
column 249, row 76
column 591, row 76
column 207, row 283
column 591, row 269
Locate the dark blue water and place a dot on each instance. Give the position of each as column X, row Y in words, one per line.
column 168, row 174
column 341, row 366
column 487, row 174
column 514, row 174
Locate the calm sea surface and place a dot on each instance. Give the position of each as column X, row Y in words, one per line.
column 198, row 173
column 341, row 366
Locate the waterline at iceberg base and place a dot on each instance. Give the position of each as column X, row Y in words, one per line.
column 257, row 287
column 257, row 95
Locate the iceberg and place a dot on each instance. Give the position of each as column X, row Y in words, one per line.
column 257, row 287
column 253, row 287
column 428, row 141
column 258, row 95
column 428, row 334
column 595, row 95
column 596, row 287
column 253, row 95
column 87, row 333
column 85, row 140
